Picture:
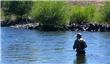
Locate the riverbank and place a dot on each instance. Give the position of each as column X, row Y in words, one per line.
column 56, row 16
column 93, row 27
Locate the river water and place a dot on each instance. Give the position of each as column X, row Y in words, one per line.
column 23, row 46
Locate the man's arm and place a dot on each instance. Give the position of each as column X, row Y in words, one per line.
column 85, row 45
column 75, row 45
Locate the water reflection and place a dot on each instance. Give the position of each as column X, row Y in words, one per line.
column 81, row 59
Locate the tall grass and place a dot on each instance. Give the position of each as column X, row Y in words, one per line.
column 4, row 16
column 98, row 17
column 50, row 12
column 1, row 14
column 82, row 13
column 106, row 12
column 58, row 12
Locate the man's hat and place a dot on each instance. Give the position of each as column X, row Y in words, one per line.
column 79, row 35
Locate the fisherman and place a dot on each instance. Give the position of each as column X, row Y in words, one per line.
column 79, row 45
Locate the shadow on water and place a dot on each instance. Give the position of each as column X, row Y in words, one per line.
column 80, row 59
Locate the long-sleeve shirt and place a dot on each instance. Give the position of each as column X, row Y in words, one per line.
column 79, row 45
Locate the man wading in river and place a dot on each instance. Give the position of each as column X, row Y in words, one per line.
column 79, row 45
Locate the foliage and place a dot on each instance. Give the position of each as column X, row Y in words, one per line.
column 18, row 8
column 82, row 13
column 2, row 14
column 106, row 12
column 56, row 12
column 50, row 12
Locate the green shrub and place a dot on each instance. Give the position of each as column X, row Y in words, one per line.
column 2, row 14
column 50, row 13
column 18, row 8
column 98, row 17
column 82, row 13
column 106, row 12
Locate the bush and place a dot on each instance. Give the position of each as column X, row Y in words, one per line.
column 18, row 8
column 2, row 15
column 98, row 17
column 106, row 12
column 82, row 13
column 50, row 13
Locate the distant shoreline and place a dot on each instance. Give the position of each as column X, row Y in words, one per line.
column 92, row 27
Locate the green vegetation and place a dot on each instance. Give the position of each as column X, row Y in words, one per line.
column 98, row 18
column 51, row 13
column 106, row 12
column 16, row 8
column 2, row 14
column 56, row 12
column 82, row 13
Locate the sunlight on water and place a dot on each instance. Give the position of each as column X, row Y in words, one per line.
column 21, row 46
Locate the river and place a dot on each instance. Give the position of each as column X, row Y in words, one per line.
column 23, row 46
